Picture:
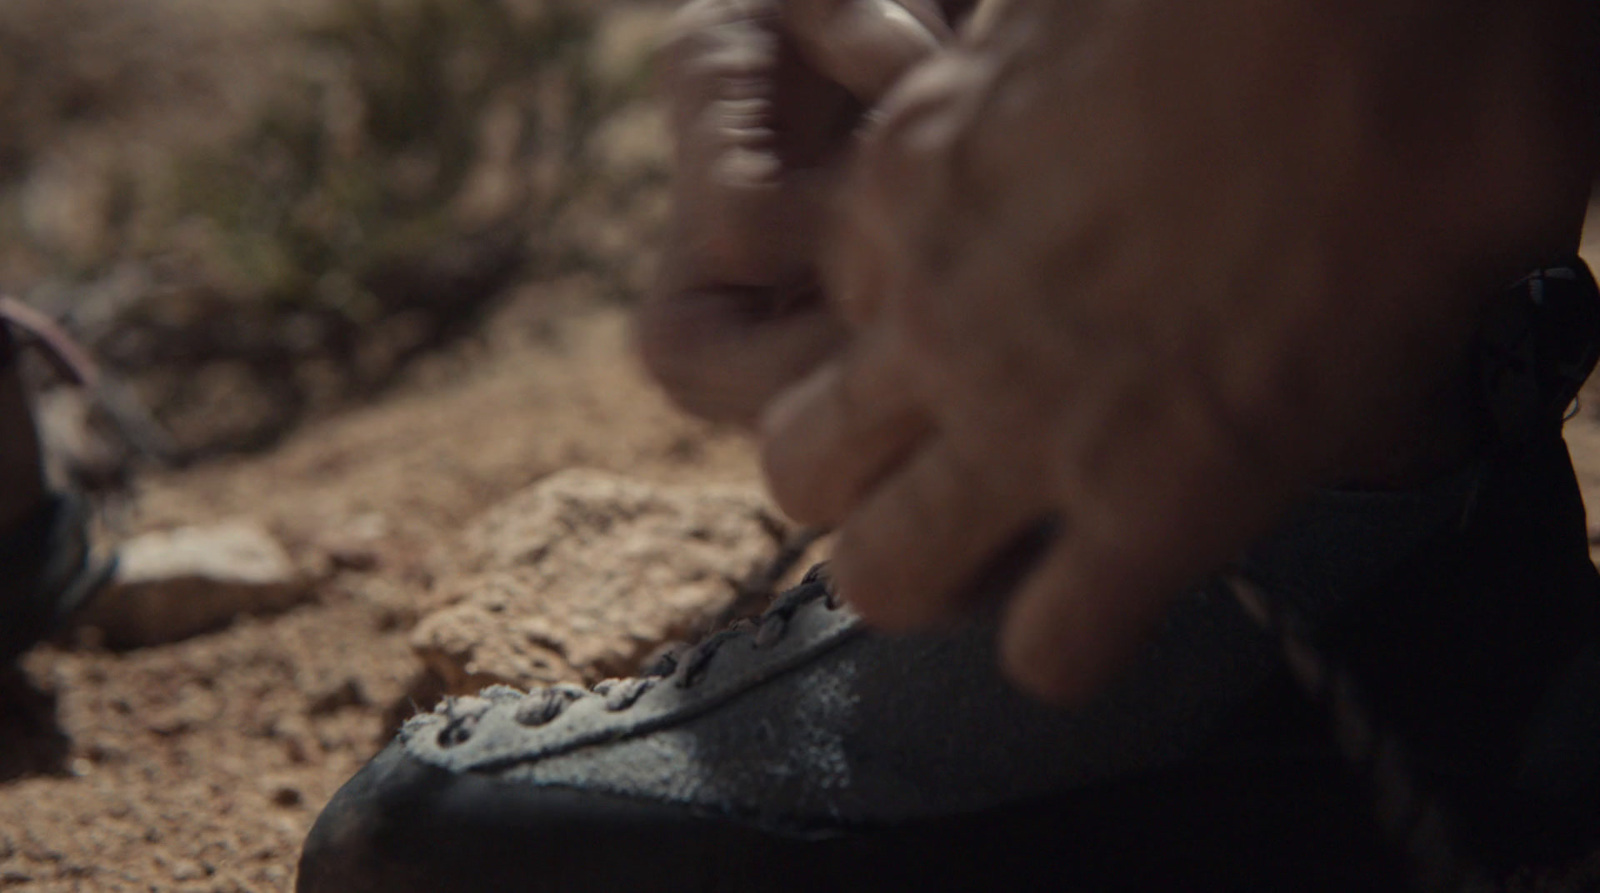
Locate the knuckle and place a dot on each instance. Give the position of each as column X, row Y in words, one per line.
column 858, row 573
column 794, row 476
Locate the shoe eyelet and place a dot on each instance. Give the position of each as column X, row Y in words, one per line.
column 544, row 705
column 457, row 731
column 461, row 715
column 625, row 693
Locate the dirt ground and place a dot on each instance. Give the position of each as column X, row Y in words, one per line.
column 200, row 765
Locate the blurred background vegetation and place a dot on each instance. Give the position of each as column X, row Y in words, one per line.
column 255, row 212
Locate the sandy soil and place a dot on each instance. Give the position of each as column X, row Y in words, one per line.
column 200, row 765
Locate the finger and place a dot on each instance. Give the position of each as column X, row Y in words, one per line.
column 862, row 258
column 896, row 212
column 719, row 68
column 865, row 45
column 914, row 551
column 710, row 41
column 722, row 55
column 827, row 439
column 1083, row 614
column 1161, row 493
column 723, row 354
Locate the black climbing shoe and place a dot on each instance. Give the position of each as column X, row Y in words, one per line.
column 804, row 752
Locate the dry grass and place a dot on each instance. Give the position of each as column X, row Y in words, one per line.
column 282, row 206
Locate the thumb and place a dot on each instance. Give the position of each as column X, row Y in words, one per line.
column 865, row 45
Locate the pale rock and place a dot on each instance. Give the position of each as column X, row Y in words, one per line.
column 355, row 545
column 173, row 584
column 584, row 574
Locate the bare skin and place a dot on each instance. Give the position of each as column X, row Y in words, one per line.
column 766, row 99
column 1153, row 271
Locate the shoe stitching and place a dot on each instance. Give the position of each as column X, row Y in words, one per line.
column 1408, row 814
column 543, row 705
column 685, row 666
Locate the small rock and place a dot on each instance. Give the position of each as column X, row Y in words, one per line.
column 584, row 574
column 178, row 583
column 354, row 546
column 286, row 796
column 296, row 750
column 167, row 723
column 348, row 557
column 328, row 698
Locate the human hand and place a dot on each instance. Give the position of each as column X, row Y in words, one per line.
column 1150, row 271
column 765, row 96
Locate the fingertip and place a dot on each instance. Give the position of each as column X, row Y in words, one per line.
column 1038, row 659
column 861, row 582
column 1075, row 623
column 786, row 460
column 827, row 440
column 865, row 45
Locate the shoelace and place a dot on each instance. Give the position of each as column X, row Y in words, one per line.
column 683, row 666
column 1411, row 818
column 1556, row 309
column 1535, row 349
column 688, row 663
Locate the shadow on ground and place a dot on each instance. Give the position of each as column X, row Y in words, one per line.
column 31, row 741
